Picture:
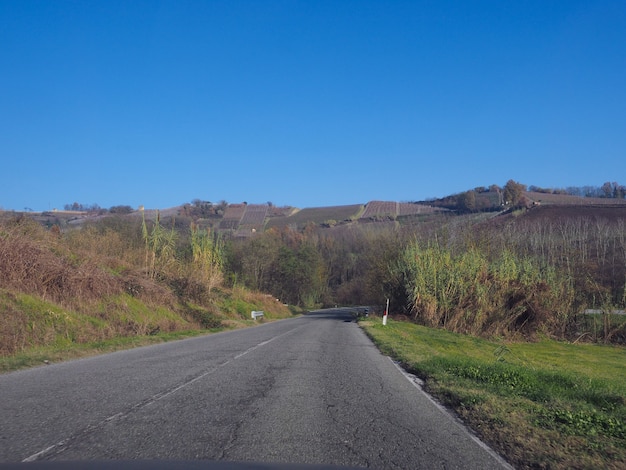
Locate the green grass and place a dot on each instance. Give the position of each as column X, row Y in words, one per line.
column 234, row 305
column 34, row 332
column 41, row 355
column 541, row 405
column 132, row 315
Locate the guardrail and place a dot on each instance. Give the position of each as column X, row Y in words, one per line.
column 256, row 314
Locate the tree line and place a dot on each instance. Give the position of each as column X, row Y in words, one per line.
column 512, row 277
column 609, row 190
column 96, row 209
column 468, row 273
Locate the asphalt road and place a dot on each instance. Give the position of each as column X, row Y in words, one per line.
column 311, row 390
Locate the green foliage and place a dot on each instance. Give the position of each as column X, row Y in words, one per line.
column 581, row 422
column 284, row 262
column 128, row 309
column 159, row 247
column 296, row 274
column 208, row 256
column 237, row 306
column 203, row 316
column 29, row 321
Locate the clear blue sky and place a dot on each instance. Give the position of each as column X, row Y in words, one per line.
column 305, row 103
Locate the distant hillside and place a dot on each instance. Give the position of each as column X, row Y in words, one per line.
column 566, row 199
column 495, row 199
column 243, row 220
column 554, row 213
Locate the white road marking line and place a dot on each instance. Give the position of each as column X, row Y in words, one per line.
column 417, row 383
column 151, row 400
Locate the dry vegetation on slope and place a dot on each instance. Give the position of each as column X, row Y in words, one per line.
column 95, row 283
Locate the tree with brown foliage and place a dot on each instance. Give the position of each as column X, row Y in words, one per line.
column 514, row 193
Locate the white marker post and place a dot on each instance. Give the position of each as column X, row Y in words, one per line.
column 386, row 312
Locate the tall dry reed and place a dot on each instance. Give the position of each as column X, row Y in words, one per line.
column 468, row 293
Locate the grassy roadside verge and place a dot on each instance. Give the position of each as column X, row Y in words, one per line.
column 34, row 331
column 42, row 355
column 540, row 405
column 63, row 351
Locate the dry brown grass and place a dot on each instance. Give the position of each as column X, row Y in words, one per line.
column 36, row 261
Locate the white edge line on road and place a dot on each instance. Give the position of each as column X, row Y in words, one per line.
column 41, row 453
column 254, row 347
column 417, row 383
